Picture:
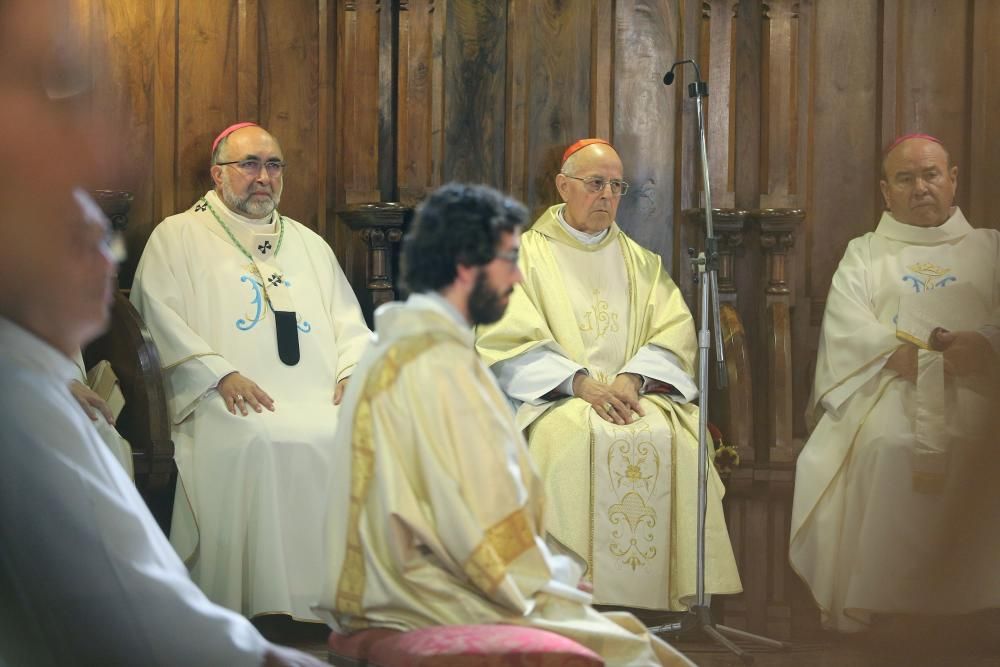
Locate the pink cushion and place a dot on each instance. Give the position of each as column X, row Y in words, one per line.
column 480, row 646
column 356, row 646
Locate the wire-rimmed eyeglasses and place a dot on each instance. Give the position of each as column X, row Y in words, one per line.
column 252, row 167
column 597, row 184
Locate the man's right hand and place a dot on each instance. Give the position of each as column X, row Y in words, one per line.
column 238, row 392
column 91, row 403
column 903, row 362
column 607, row 403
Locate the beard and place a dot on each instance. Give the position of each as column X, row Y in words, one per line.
column 486, row 305
column 250, row 206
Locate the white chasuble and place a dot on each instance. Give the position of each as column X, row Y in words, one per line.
column 435, row 510
column 621, row 498
column 895, row 493
column 250, row 489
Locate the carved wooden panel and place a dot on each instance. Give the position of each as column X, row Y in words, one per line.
column 421, row 30
column 645, row 119
column 984, row 128
column 474, row 84
column 357, row 112
column 287, row 89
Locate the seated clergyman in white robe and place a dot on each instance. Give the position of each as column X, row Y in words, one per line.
column 435, row 507
column 895, row 495
column 620, row 486
column 262, row 300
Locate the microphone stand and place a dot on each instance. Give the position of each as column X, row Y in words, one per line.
column 705, row 267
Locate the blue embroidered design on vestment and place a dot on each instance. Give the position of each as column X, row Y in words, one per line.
column 927, row 276
column 257, row 301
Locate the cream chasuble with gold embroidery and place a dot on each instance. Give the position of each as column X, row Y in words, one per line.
column 435, row 510
column 250, row 489
column 895, row 490
column 621, row 498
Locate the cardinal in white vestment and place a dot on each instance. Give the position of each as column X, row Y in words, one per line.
column 435, row 508
column 896, row 501
column 597, row 352
column 258, row 331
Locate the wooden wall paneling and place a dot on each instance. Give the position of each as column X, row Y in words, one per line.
column 437, row 98
column 845, row 121
column 558, row 91
column 165, row 115
column 355, row 173
column 326, row 12
column 746, row 87
column 933, row 85
column 126, row 98
column 891, row 64
column 602, row 53
column 717, row 63
column 388, row 49
column 516, row 173
column 289, row 55
column 419, row 51
column 984, row 130
column 357, row 112
column 475, row 83
column 645, row 116
column 207, row 77
column 780, row 105
column 248, row 59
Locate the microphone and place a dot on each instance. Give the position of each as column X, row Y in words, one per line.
column 698, row 88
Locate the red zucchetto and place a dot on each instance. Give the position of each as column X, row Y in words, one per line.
column 229, row 130
column 905, row 137
column 583, row 143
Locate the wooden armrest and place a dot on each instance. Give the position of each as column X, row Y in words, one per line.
column 144, row 421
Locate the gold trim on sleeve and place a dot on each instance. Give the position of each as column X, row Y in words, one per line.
column 501, row 545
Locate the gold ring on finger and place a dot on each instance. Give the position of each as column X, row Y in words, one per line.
column 607, row 407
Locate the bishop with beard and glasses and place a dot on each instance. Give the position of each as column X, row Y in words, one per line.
column 258, row 331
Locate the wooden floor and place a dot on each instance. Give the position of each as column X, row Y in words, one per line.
column 950, row 644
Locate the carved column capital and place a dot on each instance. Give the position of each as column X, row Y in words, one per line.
column 115, row 204
column 380, row 226
column 778, row 227
column 729, row 225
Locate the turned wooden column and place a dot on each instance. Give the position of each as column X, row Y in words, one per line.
column 116, row 205
column 731, row 409
column 380, row 226
column 778, row 228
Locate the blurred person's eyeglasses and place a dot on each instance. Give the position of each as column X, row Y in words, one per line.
column 597, row 184
column 252, row 167
column 509, row 256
